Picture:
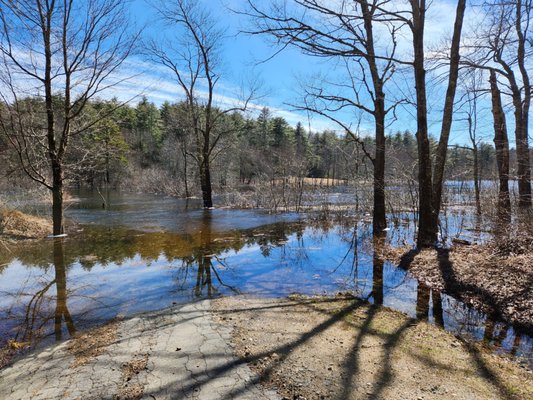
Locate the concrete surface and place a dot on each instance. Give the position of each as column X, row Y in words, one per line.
column 189, row 357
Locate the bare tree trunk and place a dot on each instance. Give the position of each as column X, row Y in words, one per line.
column 522, row 129
column 522, row 153
column 57, row 199
column 447, row 117
column 422, row 302
column 379, row 221
column 185, row 172
column 107, row 173
column 205, row 183
column 501, row 143
column 57, row 172
column 438, row 312
column 427, row 233
column 476, row 178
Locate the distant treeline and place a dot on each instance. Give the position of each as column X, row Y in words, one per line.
column 150, row 148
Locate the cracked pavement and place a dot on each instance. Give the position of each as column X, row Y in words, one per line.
column 189, row 357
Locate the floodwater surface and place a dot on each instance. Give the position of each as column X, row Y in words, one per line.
column 146, row 253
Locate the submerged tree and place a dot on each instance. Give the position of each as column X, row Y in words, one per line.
column 430, row 182
column 503, row 46
column 447, row 119
column 347, row 32
column 56, row 56
column 193, row 57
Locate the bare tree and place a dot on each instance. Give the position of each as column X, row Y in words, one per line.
column 501, row 143
column 56, row 56
column 347, row 29
column 347, row 32
column 427, row 234
column 471, row 86
column 504, row 46
column 193, row 57
column 430, row 186
column 447, row 117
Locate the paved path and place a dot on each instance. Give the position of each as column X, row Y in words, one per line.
column 188, row 357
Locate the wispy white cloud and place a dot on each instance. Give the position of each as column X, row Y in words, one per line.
column 141, row 78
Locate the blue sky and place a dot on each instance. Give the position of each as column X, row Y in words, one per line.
column 280, row 75
column 243, row 56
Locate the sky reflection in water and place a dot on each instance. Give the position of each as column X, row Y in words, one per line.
column 147, row 253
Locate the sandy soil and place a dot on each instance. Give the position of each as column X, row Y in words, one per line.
column 341, row 348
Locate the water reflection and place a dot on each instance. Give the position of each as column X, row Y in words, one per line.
column 108, row 271
column 377, row 271
column 61, row 313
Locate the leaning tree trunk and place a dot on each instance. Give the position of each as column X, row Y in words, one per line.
column 447, row 117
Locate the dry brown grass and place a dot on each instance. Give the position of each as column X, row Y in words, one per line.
column 293, row 180
column 128, row 390
column 88, row 345
column 17, row 225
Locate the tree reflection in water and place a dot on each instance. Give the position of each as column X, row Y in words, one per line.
column 88, row 273
column 377, row 270
column 204, row 257
column 61, row 311
column 40, row 308
column 429, row 300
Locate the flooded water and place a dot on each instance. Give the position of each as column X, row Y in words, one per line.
column 147, row 252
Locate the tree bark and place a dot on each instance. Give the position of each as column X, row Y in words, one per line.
column 476, row 178
column 422, row 302
column 379, row 221
column 205, row 183
column 522, row 153
column 438, row 312
column 501, row 144
column 185, row 171
column 522, row 129
column 447, row 117
column 427, row 235
column 57, row 198
column 377, row 272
